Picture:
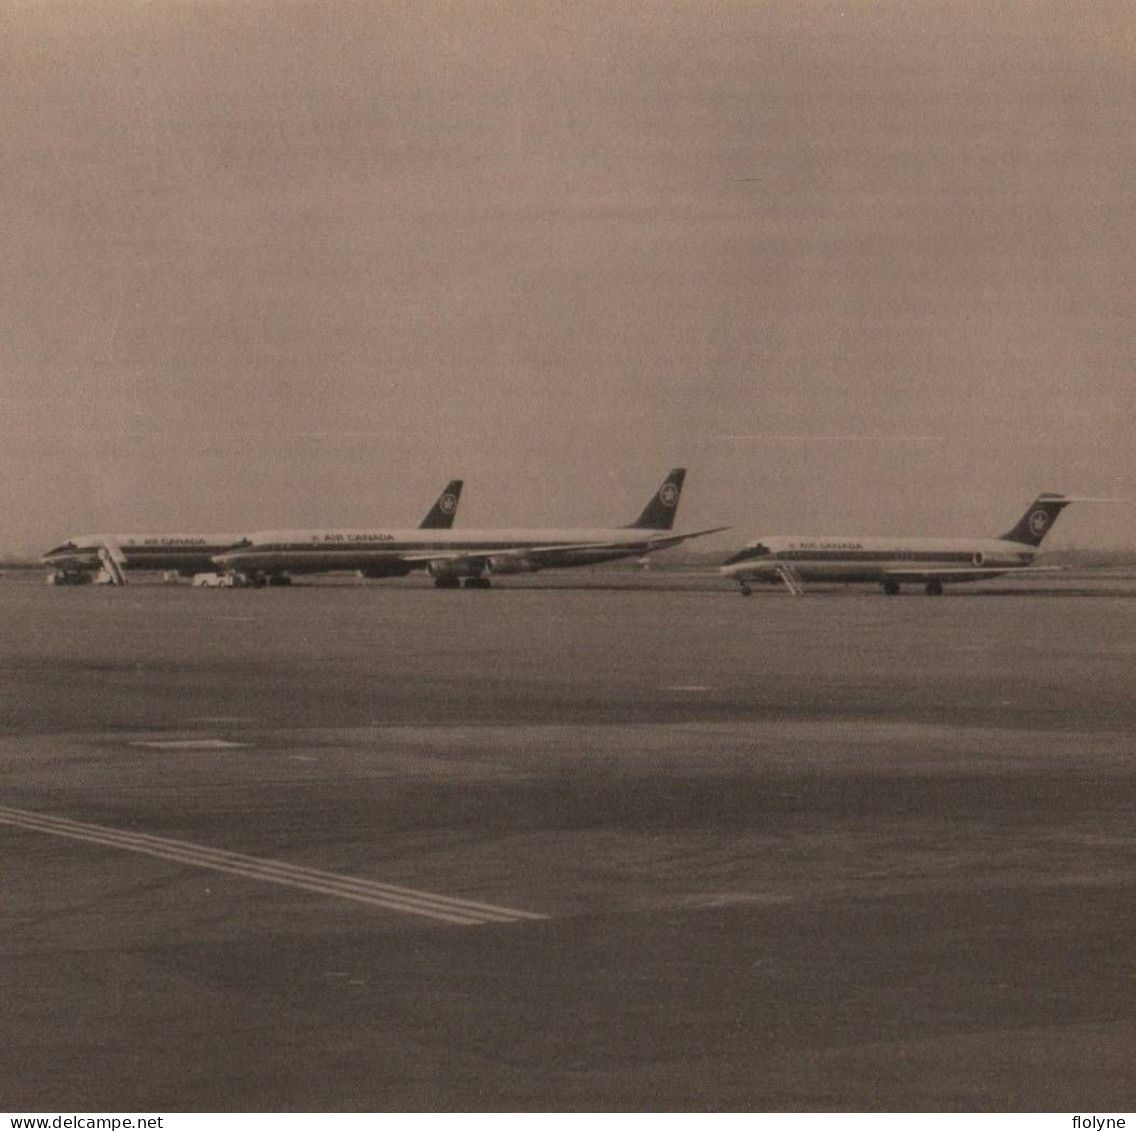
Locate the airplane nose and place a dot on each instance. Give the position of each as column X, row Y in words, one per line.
column 748, row 553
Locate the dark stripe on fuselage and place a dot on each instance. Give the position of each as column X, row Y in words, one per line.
column 199, row 559
column 941, row 557
column 402, row 547
column 308, row 557
column 171, row 551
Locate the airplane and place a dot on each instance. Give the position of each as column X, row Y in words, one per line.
column 106, row 557
column 87, row 557
column 466, row 556
column 889, row 562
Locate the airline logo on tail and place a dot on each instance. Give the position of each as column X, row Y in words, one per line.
column 659, row 513
column 1039, row 521
column 441, row 515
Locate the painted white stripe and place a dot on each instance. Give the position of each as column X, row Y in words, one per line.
column 191, row 744
column 409, row 900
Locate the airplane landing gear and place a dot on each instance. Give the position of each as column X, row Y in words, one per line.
column 477, row 583
column 933, row 588
column 447, row 582
column 747, row 590
column 891, row 588
column 69, row 577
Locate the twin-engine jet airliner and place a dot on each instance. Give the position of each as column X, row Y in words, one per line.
column 889, row 562
column 81, row 559
column 454, row 557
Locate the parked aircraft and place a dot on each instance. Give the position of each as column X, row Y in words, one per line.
column 454, row 557
column 108, row 557
column 890, row 562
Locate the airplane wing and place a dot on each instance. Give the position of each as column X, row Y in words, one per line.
column 532, row 553
column 676, row 539
column 547, row 555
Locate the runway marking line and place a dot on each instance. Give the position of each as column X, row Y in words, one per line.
column 190, row 744
column 444, row 908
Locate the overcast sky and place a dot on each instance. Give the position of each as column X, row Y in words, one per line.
column 862, row 267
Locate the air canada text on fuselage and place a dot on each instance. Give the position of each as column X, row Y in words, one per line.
column 174, row 542
column 828, row 546
column 358, row 538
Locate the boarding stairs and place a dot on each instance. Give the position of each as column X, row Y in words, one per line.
column 112, row 565
column 793, row 580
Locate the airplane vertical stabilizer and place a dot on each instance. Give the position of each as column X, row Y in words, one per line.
column 1036, row 523
column 659, row 513
column 441, row 515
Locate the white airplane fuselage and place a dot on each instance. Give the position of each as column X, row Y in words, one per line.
column 877, row 560
column 183, row 553
column 440, row 551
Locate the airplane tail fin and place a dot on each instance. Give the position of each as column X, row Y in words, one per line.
column 441, row 515
column 659, row 513
column 1035, row 524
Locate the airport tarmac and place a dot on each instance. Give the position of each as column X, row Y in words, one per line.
column 639, row 846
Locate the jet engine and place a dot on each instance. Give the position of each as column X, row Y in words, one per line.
column 394, row 570
column 508, row 563
column 454, row 568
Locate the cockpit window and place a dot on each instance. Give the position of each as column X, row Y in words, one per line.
column 757, row 550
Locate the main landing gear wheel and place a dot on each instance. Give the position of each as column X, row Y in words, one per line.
column 891, row 588
column 477, row 583
column 447, row 583
column 933, row 589
column 747, row 590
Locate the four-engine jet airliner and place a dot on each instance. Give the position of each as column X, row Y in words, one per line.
column 80, row 559
column 931, row 562
column 469, row 556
